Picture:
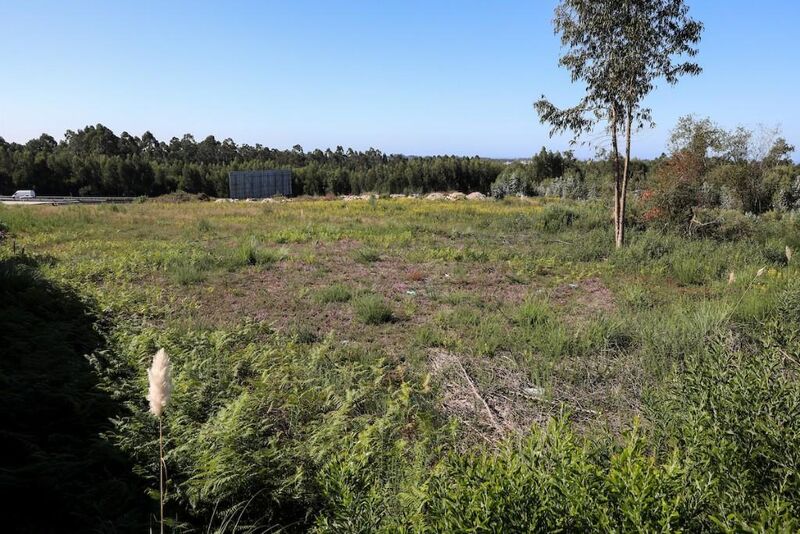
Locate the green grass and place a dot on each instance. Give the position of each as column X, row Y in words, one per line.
column 334, row 293
column 534, row 312
column 187, row 273
column 367, row 255
column 310, row 390
column 251, row 252
column 372, row 309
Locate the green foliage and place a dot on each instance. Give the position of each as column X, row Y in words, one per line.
column 523, row 178
column 189, row 269
column 774, row 251
column 534, row 312
column 619, row 50
column 204, row 226
column 95, row 161
column 372, row 309
column 262, row 429
column 713, row 168
column 571, row 187
column 367, row 255
column 334, row 293
column 734, row 409
column 187, row 273
column 555, row 218
column 787, row 198
column 358, row 432
column 724, row 225
column 58, row 472
column 637, row 296
column 690, row 269
column 251, row 252
column 577, row 245
column 554, row 481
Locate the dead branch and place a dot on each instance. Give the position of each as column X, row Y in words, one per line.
column 477, row 394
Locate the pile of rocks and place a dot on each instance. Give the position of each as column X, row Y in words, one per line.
column 455, row 196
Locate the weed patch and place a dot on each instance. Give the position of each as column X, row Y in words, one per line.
column 372, row 309
column 334, row 293
column 367, row 255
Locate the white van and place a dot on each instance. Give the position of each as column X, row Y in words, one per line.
column 23, row 194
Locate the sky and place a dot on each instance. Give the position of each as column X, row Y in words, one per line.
column 413, row 77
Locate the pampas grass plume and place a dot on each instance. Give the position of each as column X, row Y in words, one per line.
column 160, row 378
column 761, row 271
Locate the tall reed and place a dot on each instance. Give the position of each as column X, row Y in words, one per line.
column 159, row 377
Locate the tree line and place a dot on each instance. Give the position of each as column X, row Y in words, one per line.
column 706, row 166
column 96, row 161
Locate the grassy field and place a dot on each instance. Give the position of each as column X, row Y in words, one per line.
column 410, row 365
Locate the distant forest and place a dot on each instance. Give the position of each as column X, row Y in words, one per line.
column 96, row 161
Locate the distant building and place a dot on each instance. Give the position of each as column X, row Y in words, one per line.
column 260, row 184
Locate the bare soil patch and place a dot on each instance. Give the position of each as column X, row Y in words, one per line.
column 586, row 298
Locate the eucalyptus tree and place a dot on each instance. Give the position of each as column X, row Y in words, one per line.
column 619, row 49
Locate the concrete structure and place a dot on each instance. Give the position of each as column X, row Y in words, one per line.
column 260, row 184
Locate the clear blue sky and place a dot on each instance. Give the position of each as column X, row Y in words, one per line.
column 415, row 77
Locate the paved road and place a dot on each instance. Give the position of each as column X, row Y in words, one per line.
column 57, row 201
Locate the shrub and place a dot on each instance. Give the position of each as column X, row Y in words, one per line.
column 514, row 181
column 788, row 197
column 372, row 309
column 673, row 205
column 722, row 225
column 747, row 185
column 774, row 251
column 586, row 245
column 554, row 481
column 735, row 411
column 555, row 218
column 182, row 196
column 571, row 187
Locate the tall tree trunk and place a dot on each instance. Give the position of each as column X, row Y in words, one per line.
column 617, row 177
column 620, row 238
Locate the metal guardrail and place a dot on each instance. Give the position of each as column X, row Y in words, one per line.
column 70, row 200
